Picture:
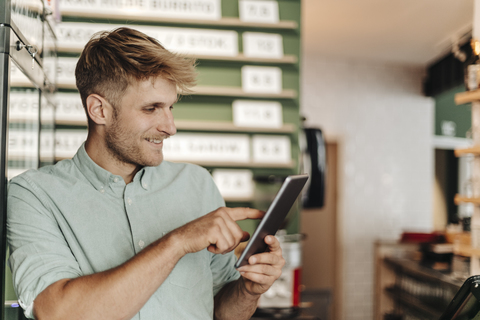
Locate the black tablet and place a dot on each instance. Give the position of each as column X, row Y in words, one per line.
column 274, row 217
column 466, row 303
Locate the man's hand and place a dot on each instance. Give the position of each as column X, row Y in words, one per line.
column 216, row 231
column 263, row 268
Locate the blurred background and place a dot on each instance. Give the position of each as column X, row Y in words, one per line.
column 367, row 96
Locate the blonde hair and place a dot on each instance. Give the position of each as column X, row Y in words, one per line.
column 112, row 60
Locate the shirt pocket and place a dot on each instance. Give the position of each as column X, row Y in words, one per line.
column 189, row 270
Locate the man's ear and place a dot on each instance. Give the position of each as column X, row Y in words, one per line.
column 99, row 110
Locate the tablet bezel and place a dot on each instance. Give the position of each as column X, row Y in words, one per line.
column 276, row 213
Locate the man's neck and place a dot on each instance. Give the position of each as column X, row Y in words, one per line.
column 100, row 155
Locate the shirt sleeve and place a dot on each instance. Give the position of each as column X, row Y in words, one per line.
column 39, row 254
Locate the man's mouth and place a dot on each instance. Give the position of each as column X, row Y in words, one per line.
column 156, row 141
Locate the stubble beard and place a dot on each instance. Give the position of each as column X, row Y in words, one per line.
column 125, row 153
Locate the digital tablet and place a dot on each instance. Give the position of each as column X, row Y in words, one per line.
column 274, row 217
column 466, row 303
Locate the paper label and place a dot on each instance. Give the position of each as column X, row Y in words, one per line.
column 271, row 149
column 67, row 142
column 261, row 79
column 66, row 71
column 70, row 108
column 258, row 11
column 234, row 183
column 262, row 45
column 22, row 144
column 180, row 9
column 207, row 147
column 261, row 114
column 23, row 106
column 73, row 36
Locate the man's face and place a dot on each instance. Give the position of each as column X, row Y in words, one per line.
column 141, row 122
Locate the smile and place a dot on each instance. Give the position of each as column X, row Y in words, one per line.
column 156, row 141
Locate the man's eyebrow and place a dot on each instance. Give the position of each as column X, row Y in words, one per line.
column 154, row 104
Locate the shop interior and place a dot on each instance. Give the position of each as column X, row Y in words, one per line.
column 374, row 100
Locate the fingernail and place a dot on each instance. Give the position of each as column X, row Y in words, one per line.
column 253, row 260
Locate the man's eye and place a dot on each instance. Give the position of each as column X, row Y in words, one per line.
column 150, row 109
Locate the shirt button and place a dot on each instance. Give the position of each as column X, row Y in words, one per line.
column 129, row 201
column 141, row 243
column 115, row 179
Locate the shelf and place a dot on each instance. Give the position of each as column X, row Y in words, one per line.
column 465, row 250
column 472, row 150
column 223, row 22
column 409, row 300
column 462, row 199
column 221, row 92
column 286, row 59
column 467, row 97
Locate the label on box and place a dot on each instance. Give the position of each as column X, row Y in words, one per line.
column 258, row 11
column 73, row 36
column 70, row 108
column 234, row 183
column 261, row 79
column 262, row 45
column 207, row 147
column 271, row 149
column 67, row 142
column 260, row 114
column 22, row 144
column 66, row 71
column 178, row 9
column 23, row 106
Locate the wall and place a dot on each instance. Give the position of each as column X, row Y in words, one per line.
column 383, row 126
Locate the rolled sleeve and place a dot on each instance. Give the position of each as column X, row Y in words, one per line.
column 39, row 254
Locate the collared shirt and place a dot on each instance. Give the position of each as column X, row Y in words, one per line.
column 75, row 218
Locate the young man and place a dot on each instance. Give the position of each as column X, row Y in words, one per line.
column 118, row 233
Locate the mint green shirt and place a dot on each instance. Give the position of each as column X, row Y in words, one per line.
column 75, row 218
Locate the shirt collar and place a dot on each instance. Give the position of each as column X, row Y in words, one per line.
column 101, row 178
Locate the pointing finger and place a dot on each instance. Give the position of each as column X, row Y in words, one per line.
column 245, row 213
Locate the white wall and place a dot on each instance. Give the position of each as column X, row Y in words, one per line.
column 383, row 125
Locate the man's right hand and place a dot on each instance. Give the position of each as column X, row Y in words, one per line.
column 216, row 231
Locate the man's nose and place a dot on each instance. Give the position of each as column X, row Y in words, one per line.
column 166, row 123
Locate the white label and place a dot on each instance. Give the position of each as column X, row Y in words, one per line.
column 183, row 9
column 234, row 183
column 22, row 144
column 70, row 108
column 262, row 45
column 66, row 71
column 260, row 114
column 261, row 79
column 271, row 149
column 258, row 11
column 47, row 145
column 67, row 142
column 23, row 106
column 73, row 36
column 207, row 147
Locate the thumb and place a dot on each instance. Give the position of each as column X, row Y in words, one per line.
column 245, row 237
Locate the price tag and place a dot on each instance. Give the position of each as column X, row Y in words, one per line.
column 260, row 114
column 261, row 79
column 74, row 36
column 262, row 45
column 67, row 142
column 271, row 149
column 258, row 11
column 179, row 9
column 234, row 183
column 70, row 108
column 207, row 147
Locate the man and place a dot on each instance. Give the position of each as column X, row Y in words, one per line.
column 118, row 233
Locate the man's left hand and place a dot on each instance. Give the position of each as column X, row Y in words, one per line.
column 263, row 268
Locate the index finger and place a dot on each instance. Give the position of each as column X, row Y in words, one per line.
column 245, row 213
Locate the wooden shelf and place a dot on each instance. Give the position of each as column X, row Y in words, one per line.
column 411, row 301
column 286, row 59
column 462, row 199
column 465, row 250
column 221, row 92
column 475, row 150
column 467, row 97
column 223, row 22
column 195, row 125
